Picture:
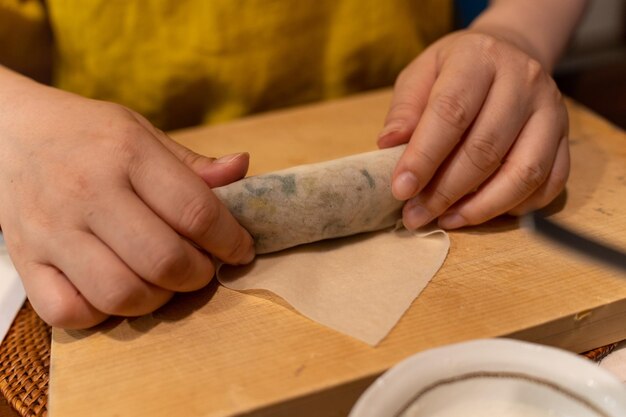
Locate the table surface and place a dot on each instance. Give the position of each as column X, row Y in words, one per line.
column 217, row 352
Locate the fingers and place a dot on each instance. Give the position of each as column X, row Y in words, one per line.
column 226, row 169
column 199, row 215
column 410, row 96
column 81, row 291
column 452, row 106
column 489, row 101
column 51, row 294
column 149, row 246
column 552, row 187
column 93, row 250
column 215, row 172
column 55, row 299
column 476, row 158
column 529, row 165
column 187, row 204
column 101, row 277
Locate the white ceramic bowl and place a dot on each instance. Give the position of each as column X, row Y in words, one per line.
column 494, row 377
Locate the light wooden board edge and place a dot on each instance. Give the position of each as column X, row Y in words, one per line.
column 564, row 333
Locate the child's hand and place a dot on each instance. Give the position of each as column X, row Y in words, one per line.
column 487, row 132
column 101, row 211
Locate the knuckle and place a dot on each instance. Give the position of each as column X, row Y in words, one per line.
column 484, row 47
column 444, row 198
column 452, row 110
column 126, row 135
column 171, row 264
column 529, row 177
column 550, row 90
column 40, row 226
column 190, row 158
column 125, row 146
column 199, row 215
column 124, row 117
column 534, row 71
column 421, row 158
column 483, row 154
column 488, row 44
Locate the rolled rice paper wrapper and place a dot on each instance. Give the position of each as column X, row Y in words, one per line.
column 360, row 285
column 313, row 202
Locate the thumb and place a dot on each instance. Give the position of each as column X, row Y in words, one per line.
column 215, row 172
column 222, row 171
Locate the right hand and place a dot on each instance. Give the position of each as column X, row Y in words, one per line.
column 102, row 213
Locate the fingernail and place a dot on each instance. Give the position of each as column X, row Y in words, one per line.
column 229, row 158
column 404, row 186
column 452, row 221
column 416, row 216
column 391, row 127
column 389, row 130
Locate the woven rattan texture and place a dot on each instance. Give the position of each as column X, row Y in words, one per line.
column 25, row 364
column 600, row 353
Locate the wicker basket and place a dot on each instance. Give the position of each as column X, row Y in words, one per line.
column 25, row 364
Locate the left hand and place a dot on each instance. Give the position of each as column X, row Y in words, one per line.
column 486, row 128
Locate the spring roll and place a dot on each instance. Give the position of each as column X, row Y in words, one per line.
column 308, row 203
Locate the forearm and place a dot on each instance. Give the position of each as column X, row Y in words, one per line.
column 541, row 27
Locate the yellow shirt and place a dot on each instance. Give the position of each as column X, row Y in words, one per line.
column 184, row 62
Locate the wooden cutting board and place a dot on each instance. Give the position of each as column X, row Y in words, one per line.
column 221, row 353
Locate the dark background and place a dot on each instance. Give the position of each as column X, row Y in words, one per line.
column 593, row 72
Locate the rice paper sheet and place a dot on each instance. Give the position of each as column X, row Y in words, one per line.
column 358, row 285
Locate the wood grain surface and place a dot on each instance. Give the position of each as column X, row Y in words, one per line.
column 217, row 352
